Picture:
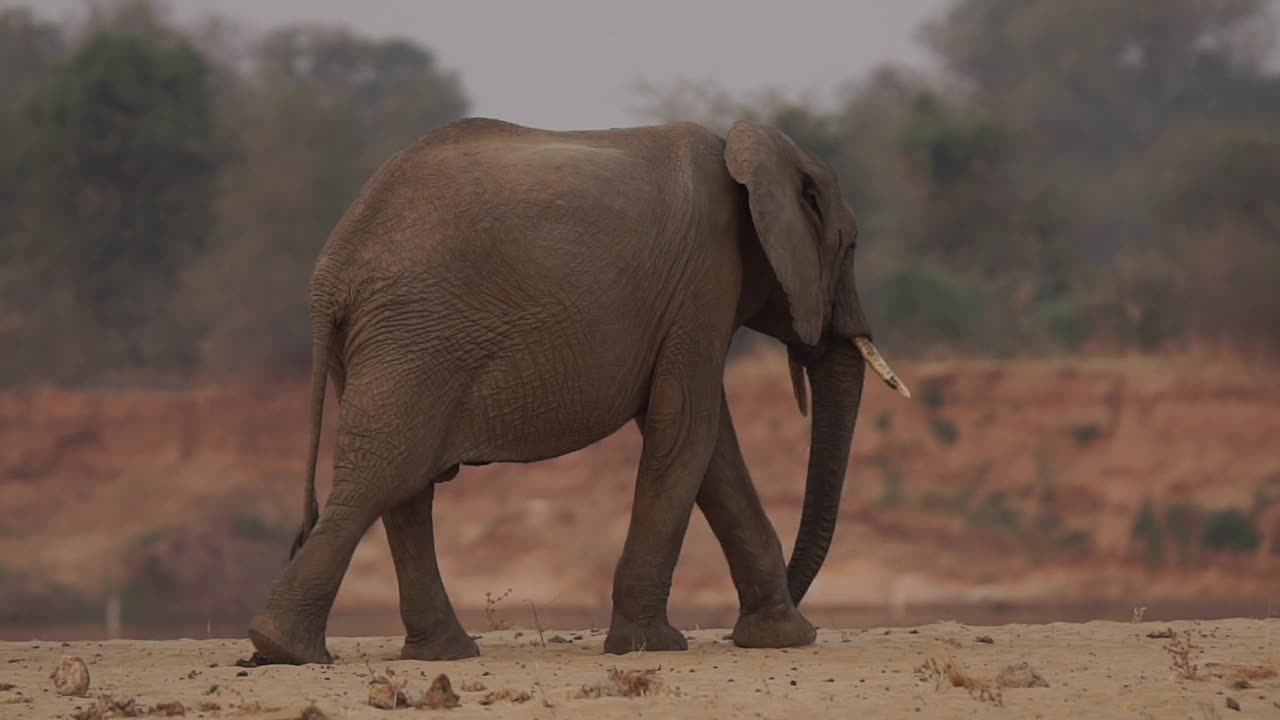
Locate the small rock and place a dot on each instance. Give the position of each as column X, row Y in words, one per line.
column 558, row 639
column 243, row 673
column 71, row 677
column 986, row 639
column 439, row 695
column 385, row 694
column 1232, row 704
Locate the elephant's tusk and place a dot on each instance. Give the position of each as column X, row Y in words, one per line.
column 797, row 384
column 877, row 363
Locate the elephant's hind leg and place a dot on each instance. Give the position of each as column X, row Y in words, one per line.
column 432, row 629
column 292, row 628
column 374, row 470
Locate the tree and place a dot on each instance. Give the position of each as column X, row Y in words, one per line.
column 118, row 163
column 318, row 111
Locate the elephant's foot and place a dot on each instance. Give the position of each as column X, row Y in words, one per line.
column 626, row 636
column 453, row 644
column 283, row 644
column 773, row 630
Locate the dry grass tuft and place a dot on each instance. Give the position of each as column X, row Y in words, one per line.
column 1182, row 652
column 953, row 673
column 107, row 706
column 491, row 611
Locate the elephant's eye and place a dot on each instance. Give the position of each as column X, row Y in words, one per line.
column 810, row 194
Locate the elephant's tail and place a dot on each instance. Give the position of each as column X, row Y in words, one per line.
column 320, row 354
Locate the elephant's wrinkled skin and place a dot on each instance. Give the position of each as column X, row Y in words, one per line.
column 503, row 294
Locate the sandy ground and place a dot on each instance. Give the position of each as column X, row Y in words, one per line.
column 1092, row 670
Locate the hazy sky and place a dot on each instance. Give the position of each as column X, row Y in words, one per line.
column 573, row 63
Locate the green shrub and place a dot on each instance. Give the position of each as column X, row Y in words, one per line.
column 944, row 430
column 1067, row 323
column 1086, row 433
column 249, row 526
column 995, row 513
column 892, row 494
column 151, row 537
column 1181, row 521
column 1232, row 531
column 923, row 304
column 1147, row 530
column 1076, row 541
column 933, row 394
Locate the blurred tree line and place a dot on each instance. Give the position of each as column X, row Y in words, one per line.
column 1086, row 176
column 1091, row 176
column 164, row 192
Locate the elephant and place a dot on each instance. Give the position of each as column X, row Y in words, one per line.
column 498, row 293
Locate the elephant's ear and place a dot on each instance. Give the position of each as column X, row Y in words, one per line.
column 761, row 159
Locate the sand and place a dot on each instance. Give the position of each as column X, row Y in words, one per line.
column 1093, row 670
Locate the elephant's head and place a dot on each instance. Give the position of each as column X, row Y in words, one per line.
column 808, row 235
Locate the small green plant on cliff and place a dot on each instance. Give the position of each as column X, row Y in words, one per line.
column 933, row 395
column 1182, row 521
column 892, row 494
column 1147, row 531
column 995, row 513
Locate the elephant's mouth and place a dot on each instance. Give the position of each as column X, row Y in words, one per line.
column 869, row 353
column 797, row 361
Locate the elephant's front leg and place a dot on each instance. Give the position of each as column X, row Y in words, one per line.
column 679, row 434
column 432, row 630
column 728, row 499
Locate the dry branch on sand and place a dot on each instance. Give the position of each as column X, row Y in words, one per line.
column 505, row 695
column 623, row 683
column 983, row 689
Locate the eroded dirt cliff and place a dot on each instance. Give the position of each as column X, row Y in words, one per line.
column 1016, row 482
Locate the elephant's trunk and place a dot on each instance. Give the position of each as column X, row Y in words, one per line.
column 836, row 382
